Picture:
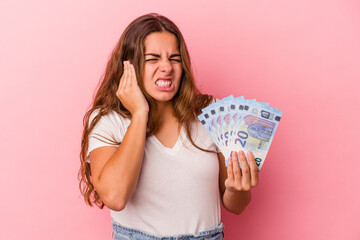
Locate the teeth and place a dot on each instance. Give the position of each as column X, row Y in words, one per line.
column 162, row 83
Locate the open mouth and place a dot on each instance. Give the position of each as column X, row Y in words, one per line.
column 164, row 83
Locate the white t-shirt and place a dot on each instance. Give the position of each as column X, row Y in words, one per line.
column 178, row 188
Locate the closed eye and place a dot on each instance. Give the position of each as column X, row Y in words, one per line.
column 155, row 59
column 176, row 60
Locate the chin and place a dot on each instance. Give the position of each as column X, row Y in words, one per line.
column 163, row 97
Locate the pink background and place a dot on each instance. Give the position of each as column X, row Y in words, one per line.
column 302, row 57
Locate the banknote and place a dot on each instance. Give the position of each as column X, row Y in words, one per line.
column 236, row 124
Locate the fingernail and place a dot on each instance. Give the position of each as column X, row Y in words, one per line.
column 231, row 154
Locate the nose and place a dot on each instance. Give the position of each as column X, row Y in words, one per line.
column 165, row 65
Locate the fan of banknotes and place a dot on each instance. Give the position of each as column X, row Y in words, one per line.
column 236, row 124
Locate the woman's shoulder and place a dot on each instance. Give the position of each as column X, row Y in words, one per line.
column 110, row 118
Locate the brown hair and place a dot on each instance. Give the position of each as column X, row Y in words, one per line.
column 187, row 102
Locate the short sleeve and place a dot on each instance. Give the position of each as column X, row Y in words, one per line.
column 202, row 138
column 109, row 131
column 217, row 150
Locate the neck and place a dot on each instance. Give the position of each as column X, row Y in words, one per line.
column 165, row 111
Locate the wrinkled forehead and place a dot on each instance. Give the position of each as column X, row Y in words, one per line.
column 161, row 42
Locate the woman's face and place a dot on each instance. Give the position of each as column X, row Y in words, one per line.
column 163, row 68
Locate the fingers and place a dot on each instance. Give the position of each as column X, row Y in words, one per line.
column 244, row 178
column 126, row 78
column 253, row 169
column 121, row 83
column 245, row 170
column 132, row 75
column 123, row 78
column 127, row 74
column 129, row 92
column 236, row 169
column 230, row 170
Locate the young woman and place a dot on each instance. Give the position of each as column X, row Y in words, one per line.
column 144, row 153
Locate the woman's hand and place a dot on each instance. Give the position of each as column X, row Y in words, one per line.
column 130, row 93
column 244, row 178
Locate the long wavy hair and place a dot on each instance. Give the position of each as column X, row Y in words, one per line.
column 187, row 102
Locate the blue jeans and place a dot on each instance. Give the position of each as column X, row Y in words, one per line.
column 123, row 233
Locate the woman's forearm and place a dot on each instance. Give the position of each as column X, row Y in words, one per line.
column 119, row 176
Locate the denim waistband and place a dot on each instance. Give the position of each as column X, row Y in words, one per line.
column 121, row 232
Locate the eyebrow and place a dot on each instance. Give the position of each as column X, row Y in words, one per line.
column 157, row 55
